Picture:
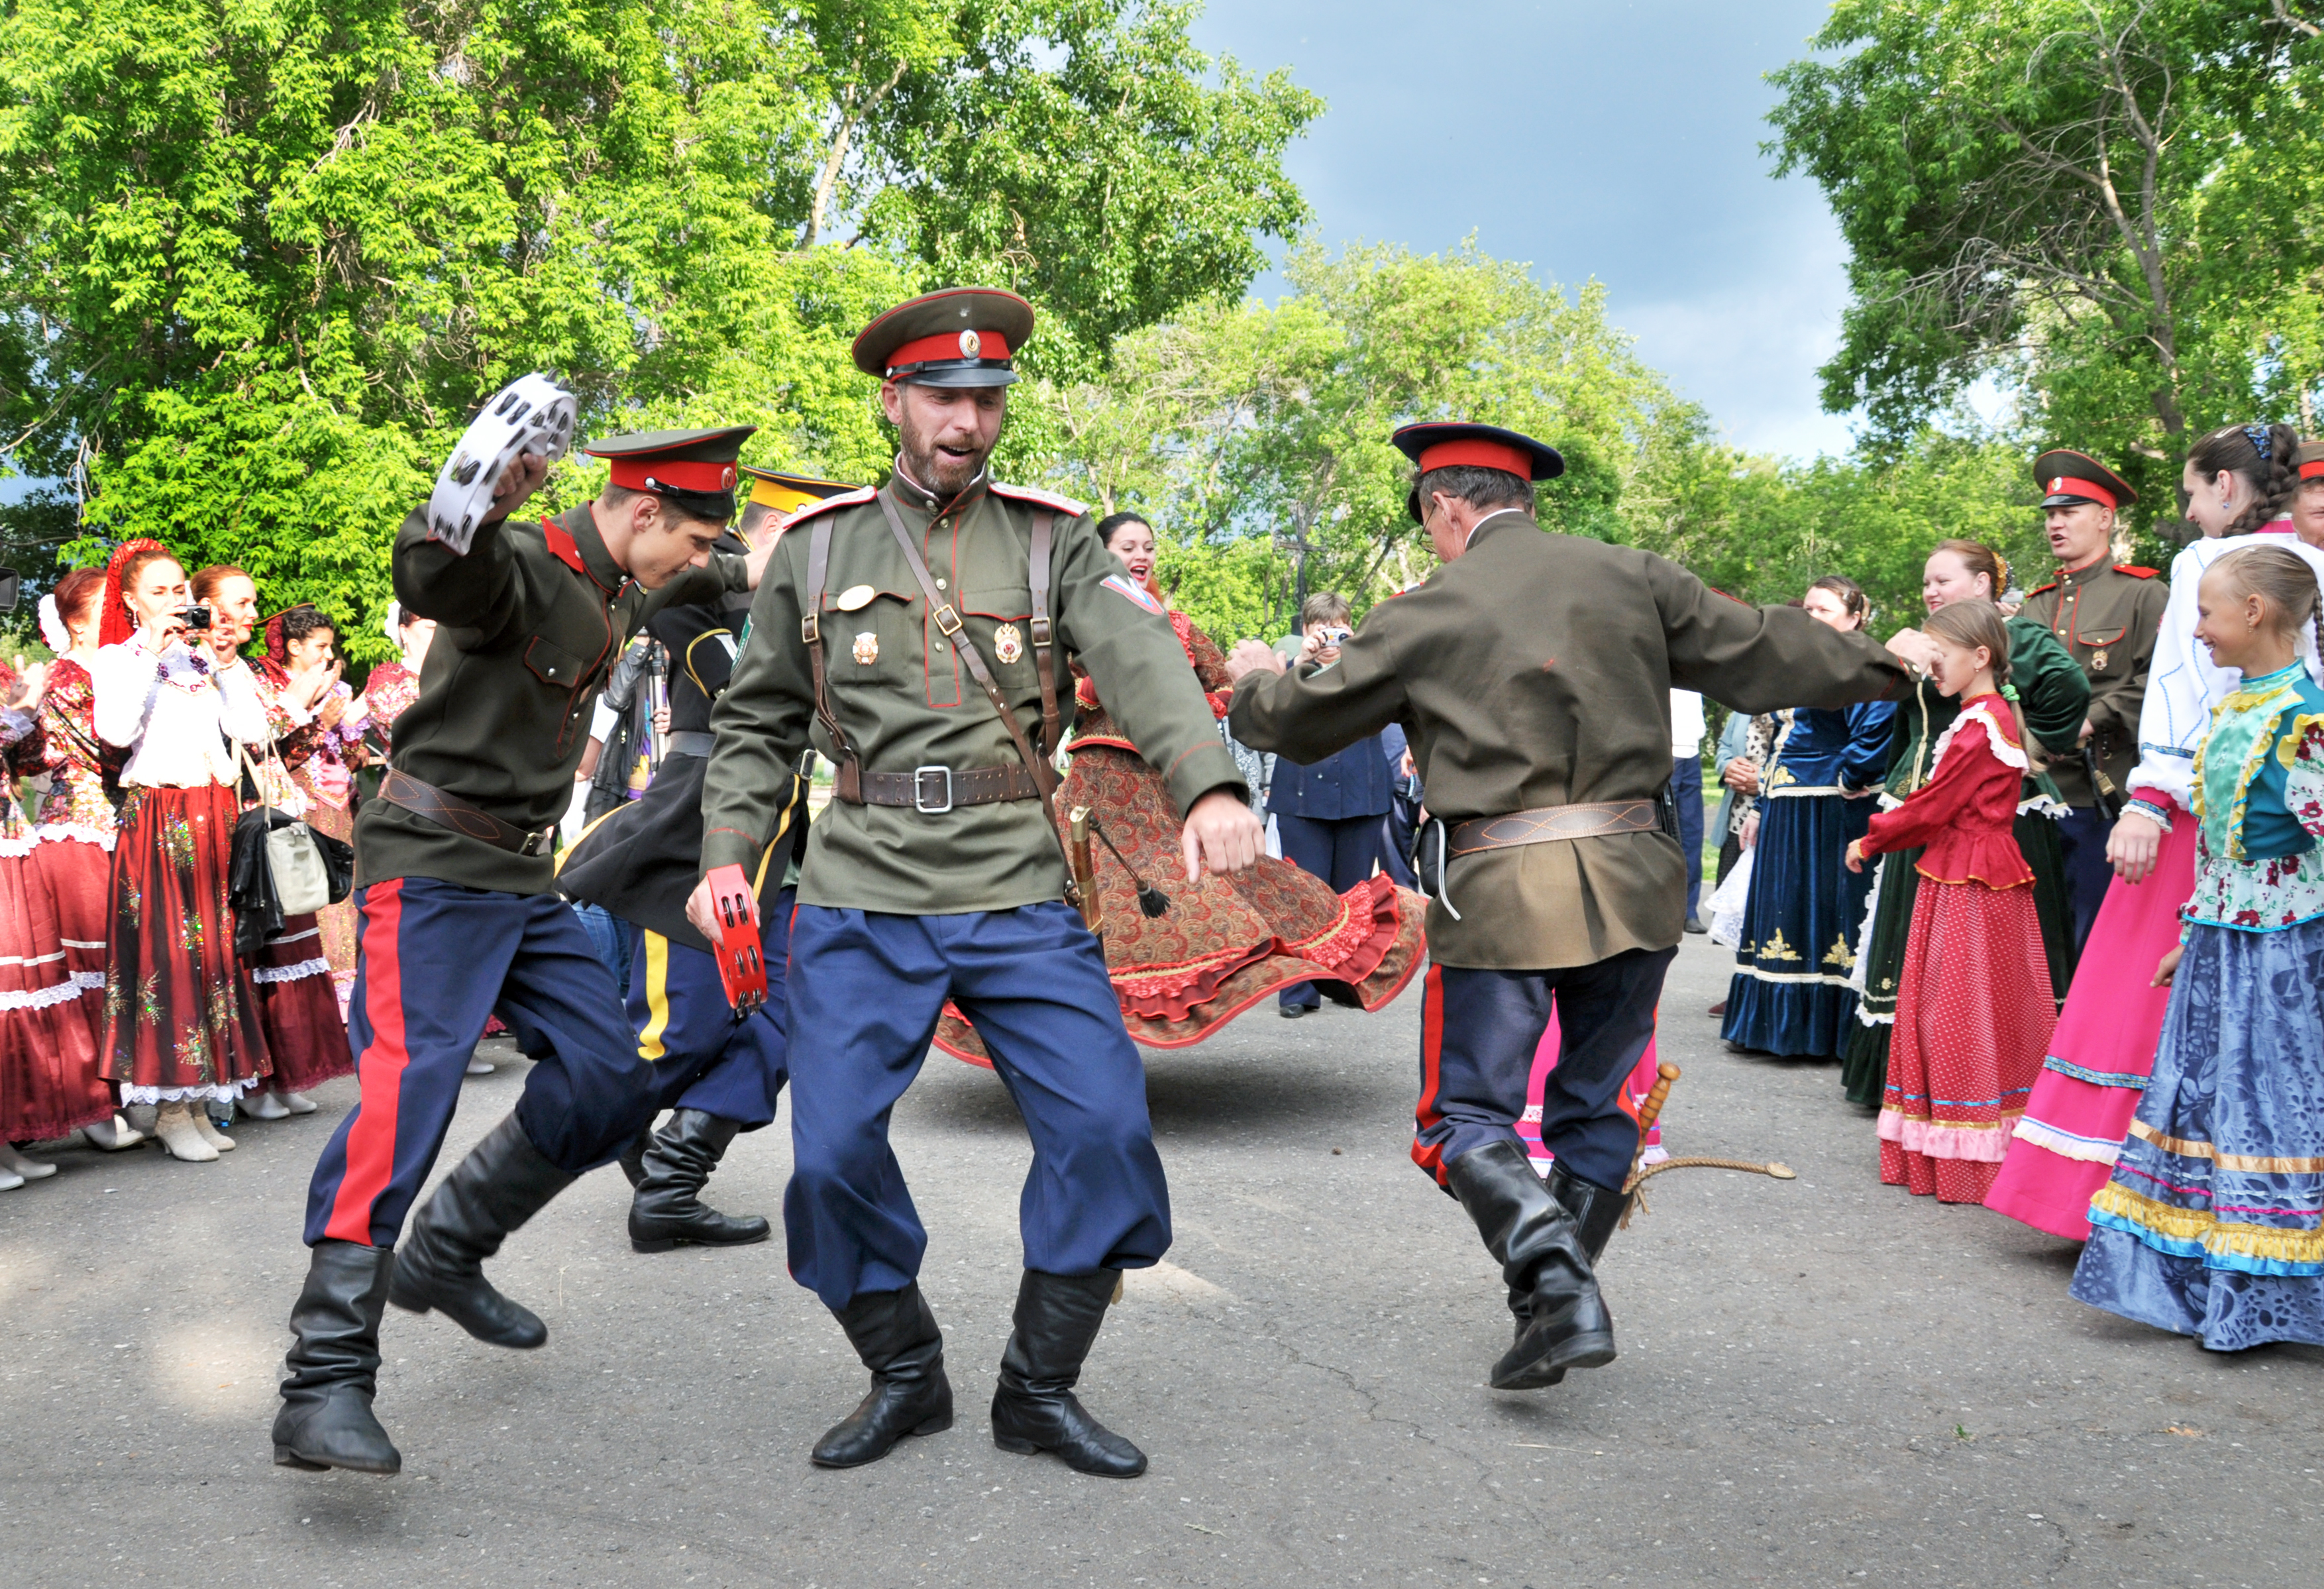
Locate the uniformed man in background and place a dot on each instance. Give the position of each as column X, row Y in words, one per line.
column 460, row 917
column 2106, row 615
column 912, row 635
column 1532, row 674
column 718, row 1073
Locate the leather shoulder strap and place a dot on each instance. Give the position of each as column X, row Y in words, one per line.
column 1045, row 660
column 846, row 776
column 1045, row 776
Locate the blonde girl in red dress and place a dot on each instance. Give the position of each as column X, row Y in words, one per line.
column 1974, row 1009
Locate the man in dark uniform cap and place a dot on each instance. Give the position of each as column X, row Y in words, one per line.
column 911, row 635
column 719, row 1074
column 460, row 917
column 1532, row 675
column 2105, row 614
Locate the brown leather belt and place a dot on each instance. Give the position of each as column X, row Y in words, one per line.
column 425, row 800
column 1552, row 824
column 933, row 790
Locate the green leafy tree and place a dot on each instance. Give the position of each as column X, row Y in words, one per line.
column 261, row 260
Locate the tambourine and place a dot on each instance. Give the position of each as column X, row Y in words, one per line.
column 530, row 414
column 741, row 963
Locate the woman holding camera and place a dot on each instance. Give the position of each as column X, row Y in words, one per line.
column 181, row 1024
column 306, row 1036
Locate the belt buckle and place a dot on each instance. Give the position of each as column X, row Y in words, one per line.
column 920, row 776
column 537, row 843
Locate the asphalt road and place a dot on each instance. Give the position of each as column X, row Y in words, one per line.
column 1821, row 1381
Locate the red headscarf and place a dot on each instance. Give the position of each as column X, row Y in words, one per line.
column 276, row 664
column 115, row 622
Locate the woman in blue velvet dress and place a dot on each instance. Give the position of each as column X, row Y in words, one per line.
column 1791, row 992
column 2213, row 1223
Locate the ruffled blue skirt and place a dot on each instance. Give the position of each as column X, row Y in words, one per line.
column 2213, row 1223
column 1790, row 994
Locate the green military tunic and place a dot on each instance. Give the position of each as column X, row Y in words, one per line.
column 905, row 700
column 1535, row 670
column 2107, row 616
column 529, row 622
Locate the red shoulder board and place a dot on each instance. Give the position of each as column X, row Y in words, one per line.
column 562, row 545
column 2133, row 570
column 2040, row 588
column 846, row 499
column 1043, row 499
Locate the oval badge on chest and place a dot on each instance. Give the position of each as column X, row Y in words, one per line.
column 856, row 597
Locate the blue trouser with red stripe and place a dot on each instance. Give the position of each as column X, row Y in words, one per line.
column 702, row 1057
column 435, row 962
column 1478, row 1032
column 866, row 989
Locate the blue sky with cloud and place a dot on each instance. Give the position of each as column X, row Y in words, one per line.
column 1619, row 141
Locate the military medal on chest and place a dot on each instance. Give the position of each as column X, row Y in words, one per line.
column 867, row 649
column 1008, row 642
column 2098, row 660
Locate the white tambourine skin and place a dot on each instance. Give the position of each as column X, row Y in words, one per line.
column 530, row 414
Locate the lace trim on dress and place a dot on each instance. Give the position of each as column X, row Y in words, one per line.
column 64, row 992
column 1987, row 1144
column 2004, row 750
column 131, row 1093
column 58, row 832
column 296, row 971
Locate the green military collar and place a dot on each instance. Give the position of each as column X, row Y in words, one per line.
column 1499, row 517
column 2084, row 576
column 596, row 561
column 912, row 495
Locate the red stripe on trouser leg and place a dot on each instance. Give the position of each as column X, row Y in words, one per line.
column 379, row 1069
column 1429, row 1157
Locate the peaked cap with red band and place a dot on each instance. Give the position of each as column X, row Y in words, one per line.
column 2309, row 460
column 2069, row 478
column 1444, row 444
column 114, row 621
column 695, row 469
column 960, row 336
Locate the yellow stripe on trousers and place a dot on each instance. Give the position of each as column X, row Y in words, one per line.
column 649, row 1045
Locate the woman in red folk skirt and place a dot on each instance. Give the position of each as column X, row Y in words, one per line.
column 76, row 818
column 298, row 1007
column 181, row 1026
column 1228, row 940
column 1974, row 1009
column 48, row 1056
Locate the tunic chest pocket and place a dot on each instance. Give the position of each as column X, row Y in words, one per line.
column 2101, row 644
column 1001, row 622
column 871, row 645
column 553, row 665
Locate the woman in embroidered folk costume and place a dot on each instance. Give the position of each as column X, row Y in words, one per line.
column 2239, row 481
column 1231, row 940
column 47, row 1054
column 298, row 1009
column 301, row 668
column 1973, row 1007
column 1790, row 993
column 2210, row 1226
column 180, row 1028
column 2054, row 695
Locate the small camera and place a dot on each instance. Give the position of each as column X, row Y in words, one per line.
column 197, row 616
column 1337, row 636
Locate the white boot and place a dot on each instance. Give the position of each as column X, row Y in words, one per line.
column 10, row 1181
column 179, row 1138
column 480, row 1067
column 31, row 1169
column 218, row 1140
column 296, row 1102
column 264, row 1107
column 111, row 1136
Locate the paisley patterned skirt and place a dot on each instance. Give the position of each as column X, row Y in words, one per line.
column 2212, row 1224
column 1226, row 942
column 180, row 1017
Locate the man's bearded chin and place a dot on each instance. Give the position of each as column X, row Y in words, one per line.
column 946, row 474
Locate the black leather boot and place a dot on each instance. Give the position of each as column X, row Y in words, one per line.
column 326, row 1420
column 502, row 1182
column 1035, row 1409
column 632, row 1158
column 668, row 1210
column 1539, row 1248
column 1595, row 1209
column 896, row 1335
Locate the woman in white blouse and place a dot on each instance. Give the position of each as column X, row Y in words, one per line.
column 181, row 1026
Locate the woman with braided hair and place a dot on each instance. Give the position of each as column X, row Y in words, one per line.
column 2240, row 481
column 182, row 1027
column 2054, row 695
column 1973, row 1007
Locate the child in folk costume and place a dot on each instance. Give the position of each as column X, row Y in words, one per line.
column 2213, row 1223
column 1974, row 1009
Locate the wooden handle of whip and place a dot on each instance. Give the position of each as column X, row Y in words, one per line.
column 1651, row 1109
